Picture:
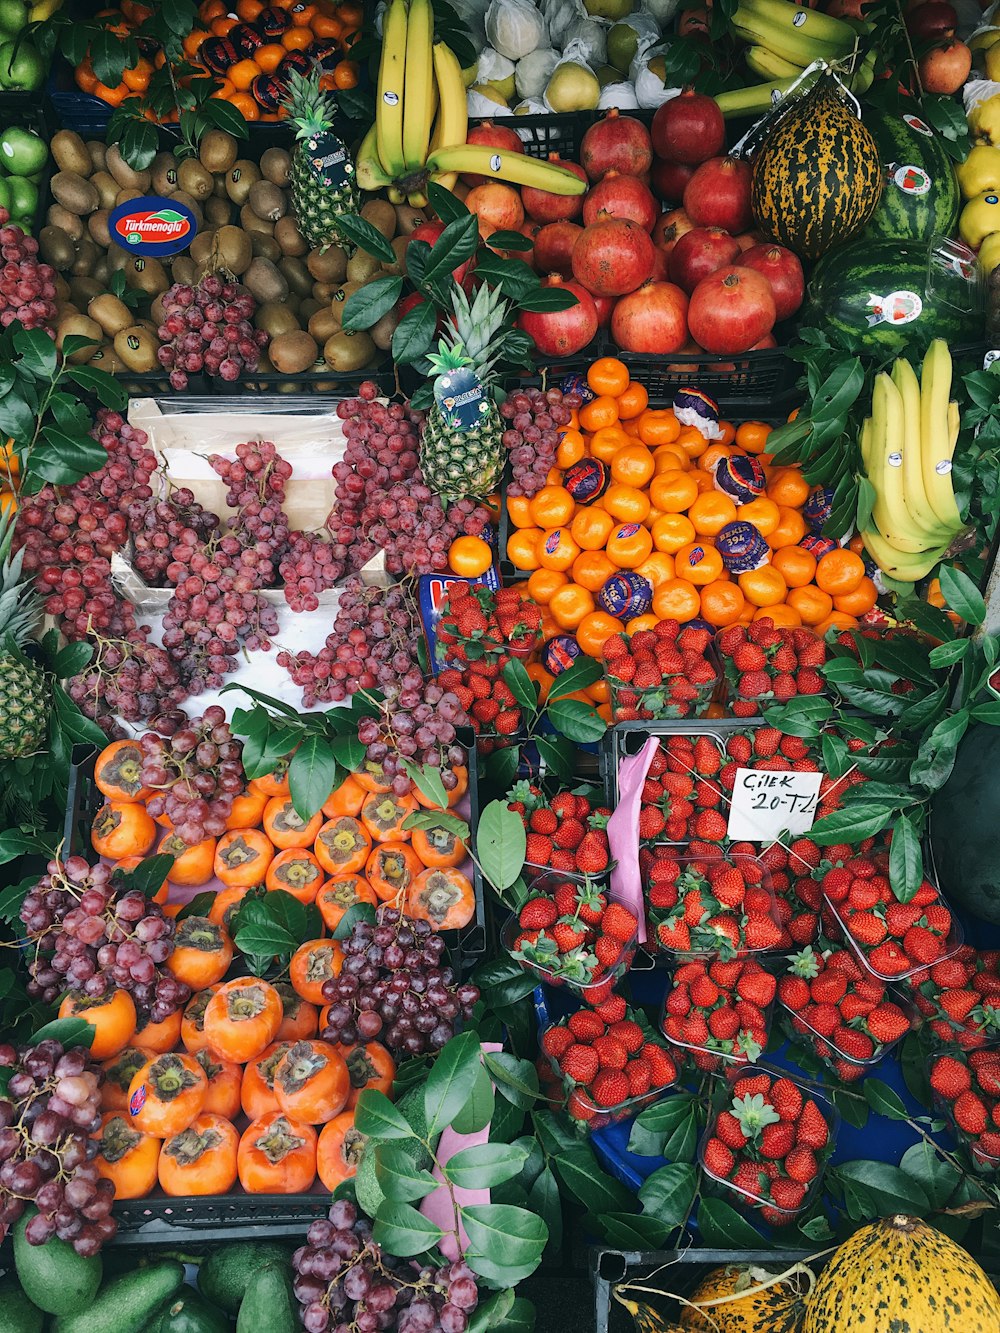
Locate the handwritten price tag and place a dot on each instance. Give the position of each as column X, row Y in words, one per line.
column 765, row 805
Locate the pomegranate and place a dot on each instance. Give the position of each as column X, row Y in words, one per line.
column 731, row 310
column 669, row 179
column 670, row 227
column 932, row 21
column 612, row 257
column 621, row 197
column 497, row 206
column 652, row 319
column 945, row 69
column 784, row 273
column 699, row 253
column 554, row 248
column 605, row 305
column 429, row 232
column 618, row 142
column 410, row 302
column 688, row 129
column 845, row 9
column 661, row 265
column 544, row 206
column 492, row 136
column 561, row 332
column 530, row 230
column 718, row 195
column 767, row 342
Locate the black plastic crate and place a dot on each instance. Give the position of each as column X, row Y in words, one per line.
column 628, row 738
column 215, row 395
column 556, row 132
column 161, row 1220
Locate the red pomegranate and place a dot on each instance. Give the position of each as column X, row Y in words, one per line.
column 944, row 69
column 688, row 129
column 670, row 227
column 765, row 343
column 661, row 265
column 554, row 248
column 932, row 21
column 562, row 332
column 529, row 230
column 731, row 310
column 669, row 180
column 784, row 273
column 699, row 253
column 605, row 305
column 612, row 257
column 544, row 206
column 845, row 9
column 621, row 197
column 652, row 319
column 492, row 136
column 718, row 195
column 410, row 302
column 616, row 142
column 429, row 232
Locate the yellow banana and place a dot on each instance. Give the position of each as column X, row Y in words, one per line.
column 936, row 442
column 368, row 168
column 419, row 94
column 889, row 513
column 914, row 495
column 452, row 125
column 515, row 167
column 770, row 66
column 785, row 16
column 761, row 97
column 787, row 41
column 899, row 565
column 954, row 424
column 389, row 93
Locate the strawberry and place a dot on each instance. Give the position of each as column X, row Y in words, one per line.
column 608, row 951
column 556, row 1040
column 538, row 914
column 619, row 922
column 778, row 1140
column 709, row 826
column 854, row 1045
column 793, row 992
column 788, row 1195
column 762, row 933
column 727, row 1127
column 728, row 887
column 629, row 1033
column 564, row 896
column 867, row 928
column 609, row 1088
column 569, row 834
column 921, row 945
column 829, row 987
column 585, row 1026
column 836, row 883
column 662, row 1069
column 725, row 930
column 613, row 1010
column 538, row 849
column 889, row 960
column 887, row 1023
column 707, row 760
column 579, row 1105
column 950, row 1078
column 567, row 936
column 610, row 1052
column 723, row 1024
column 808, row 681
column 639, row 1078
column 652, row 822
column 749, row 1178
column 811, row 1129
column 801, row 1165
column 580, row 1063
column 756, row 986
column 749, row 657
column 543, row 821
column 718, row 1160
column 592, row 852
column 970, row 1113
column 704, row 992
column 675, row 935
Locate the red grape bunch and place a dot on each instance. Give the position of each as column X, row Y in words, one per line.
column 27, row 288
column 373, row 643
column 209, row 328
column 395, row 985
column 195, row 773
column 92, row 935
column 346, row 1283
column 256, row 480
column 308, row 567
column 536, row 420
column 418, row 722
column 51, row 1105
column 128, row 678
column 157, row 528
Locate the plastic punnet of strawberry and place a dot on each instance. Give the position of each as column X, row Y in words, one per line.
column 566, row 833
column 710, row 905
column 765, row 663
column 665, row 672
column 960, row 998
column 719, row 1013
column 682, row 796
column 966, row 1090
column 767, row 1145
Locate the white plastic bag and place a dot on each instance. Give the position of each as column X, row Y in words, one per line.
column 649, row 89
column 515, row 27
column 978, row 90
column 662, row 10
column 483, row 108
column 531, row 73
column 621, row 95
column 573, row 55
column 588, row 40
column 559, row 14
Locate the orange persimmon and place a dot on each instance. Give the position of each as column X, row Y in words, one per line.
column 277, row 1155
column 242, row 1018
column 125, row 1156
column 201, row 1159
column 202, row 952
column 166, row 1094
column 311, row 1082
column 339, row 1150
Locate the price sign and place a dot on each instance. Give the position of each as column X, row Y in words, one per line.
column 765, row 805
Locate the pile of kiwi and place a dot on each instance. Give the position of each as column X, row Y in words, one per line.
column 245, row 229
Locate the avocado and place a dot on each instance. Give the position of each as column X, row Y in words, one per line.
column 128, row 1303
column 225, row 1275
column 53, row 1275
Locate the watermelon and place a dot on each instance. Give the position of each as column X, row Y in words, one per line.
column 920, row 198
column 849, row 286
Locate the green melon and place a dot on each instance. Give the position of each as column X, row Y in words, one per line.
column 920, row 197
column 965, row 814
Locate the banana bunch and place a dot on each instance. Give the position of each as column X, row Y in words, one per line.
column 761, row 97
column 421, row 121
column 906, row 447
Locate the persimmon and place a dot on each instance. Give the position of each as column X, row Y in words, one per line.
column 274, row 783
column 347, row 799
column 342, row 845
column 242, row 1018
column 166, row 1094
column 311, row 1082
column 119, row 1072
column 193, row 1020
column 437, row 848
column 391, row 869
column 277, row 1155
column 371, row 778
column 242, row 857
column 112, row 1015
column 299, row 1017
column 225, row 905
column 445, row 898
column 369, row 1066
column 161, row 1036
column 257, row 1088
column 122, row 828
column 192, row 865
column 201, row 1159
column 224, row 1081
column 314, row 964
column 454, row 796
column 383, row 814
column 117, row 772
column 337, row 895
column 297, row 871
column 286, row 828
column 125, row 1156
column 202, row 952
column 339, row 1150
column 248, row 809
column 130, row 863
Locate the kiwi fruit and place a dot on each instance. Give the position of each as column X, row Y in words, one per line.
column 70, row 223
column 107, row 188
column 117, row 259
column 163, row 170
column 202, row 247
column 323, row 291
column 56, row 248
column 97, row 225
column 267, row 201
column 296, row 275
column 340, row 296
column 83, row 289
column 156, row 312
column 382, row 330
column 329, row 265
column 362, row 267
column 136, row 347
column 399, row 244
column 183, row 269
column 189, row 201
column 217, row 211
column 98, row 151
column 276, row 317
column 86, row 257
column 381, row 214
column 217, row 151
column 323, row 325
column 348, row 351
column 69, row 153
column 276, row 165
column 265, row 281
column 112, row 315
column 288, row 236
column 292, row 353
column 105, row 358
column 125, row 194
column 264, row 245
column 234, row 249
column 83, row 327
column 307, row 309
column 242, row 175
column 194, row 180
column 71, row 190
column 249, row 221
column 101, row 272
column 123, row 173
column 219, row 190
column 407, row 219
column 143, row 273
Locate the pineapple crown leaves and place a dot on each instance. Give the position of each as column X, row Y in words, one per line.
column 310, row 108
column 807, row 962
column 479, row 327
column 449, row 356
column 754, row 1114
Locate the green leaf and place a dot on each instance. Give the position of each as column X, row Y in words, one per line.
column 414, row 334
column 522, row 687
column 368, row 304
column 945, row 654
column 355, row 913
column 225, row 116
column 576, row 720
column 348, row 752
column 260, row 927
column 866, row 501
column 669, row 1192
column 584, row 671
column 884, row 1100
column 500, row 844
column 456, row 244
column 199, row 905
column 961, row 595
column 492, row 1313
column 558, row 755
column 477, row 1112
column 63, row 459
column 653, row 1125
column 878, row 1188
column 502, row 982
column 37, row 352
column 906, row 860
column 722, row 1226
column 485, row 1165
column 102, row 385
column 516, row 1080
column 71, row 660
column 68, row 1032
column 503, row 1240
column 544, row 299
column 451, row 1081
column 432, row 820
column 938, row 1178
column 632, row 1231
column 936, row 756
column 147, row 878
column 913, row 1053
column 851, row 824
column 446, row 205
column 361, row 232
column 578, row 1169
column 428, row 782
column 14, row 843
column 402, row 1230
column 508, row 240
column 377, row 1118
column 400, row 1178
column 311, row 776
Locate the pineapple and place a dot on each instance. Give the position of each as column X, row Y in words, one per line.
column 322, row 173
column 24, row 694
column 456, row 462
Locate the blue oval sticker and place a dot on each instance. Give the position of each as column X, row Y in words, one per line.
column 152, row 225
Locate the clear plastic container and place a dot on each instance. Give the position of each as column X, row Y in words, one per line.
column 707, row 944
column 720, row 744
column 589, row 990
column 851, row 1067
column 708, row 1058
column 954, row 942
column 732, row 676
column 985, row 1159
column 534, row 874
column 655, row 703
column 585, row 1113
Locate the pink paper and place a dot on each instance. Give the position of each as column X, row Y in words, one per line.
column 437, row 1207
column 623, row 832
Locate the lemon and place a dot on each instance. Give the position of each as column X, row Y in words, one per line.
column 573, row 87
column 989, row 252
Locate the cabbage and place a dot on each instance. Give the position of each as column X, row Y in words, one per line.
column 515, row 28
column 531, row 73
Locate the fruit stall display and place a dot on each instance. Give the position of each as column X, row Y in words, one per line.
column 498, row 666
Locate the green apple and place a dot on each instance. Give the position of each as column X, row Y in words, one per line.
column 22, row 151
column 608, row 9
column 23, row 197
column 13, row 16
column 21, row 67
column 623, row 41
